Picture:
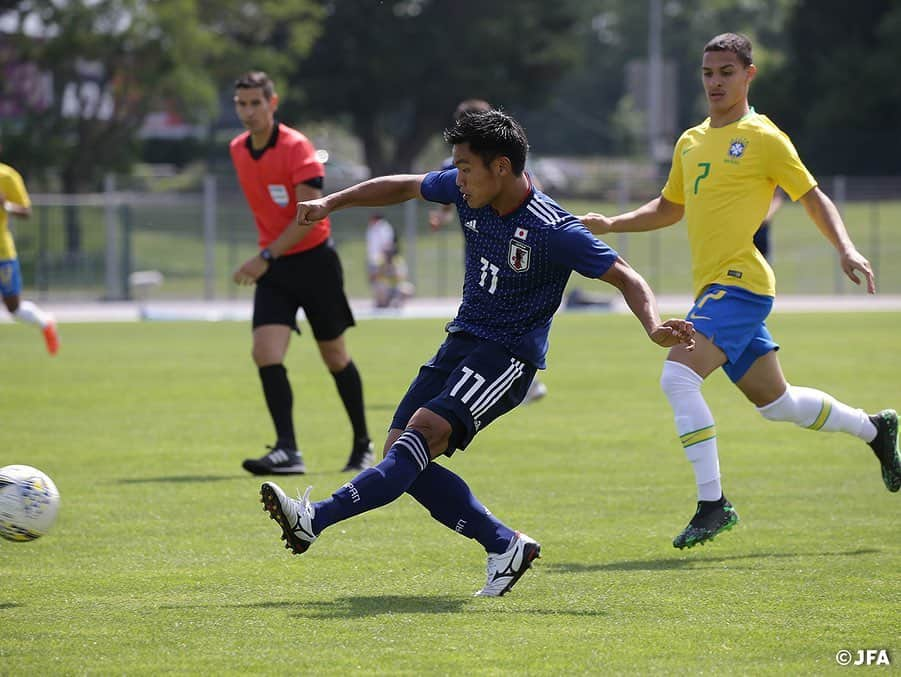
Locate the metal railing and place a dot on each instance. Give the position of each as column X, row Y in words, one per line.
column 85, row 247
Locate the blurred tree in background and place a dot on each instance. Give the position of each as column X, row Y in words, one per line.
column 837, row 87
column 397, row 69
column 82, row 77
column 79, row 78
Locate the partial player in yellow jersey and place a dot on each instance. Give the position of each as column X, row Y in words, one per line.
column 722, row 180
column 15, row 200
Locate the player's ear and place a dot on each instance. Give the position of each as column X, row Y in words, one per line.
column 273, row 101
column 752, row 72
column 502, row 165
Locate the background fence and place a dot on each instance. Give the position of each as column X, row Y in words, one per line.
column 85, row 247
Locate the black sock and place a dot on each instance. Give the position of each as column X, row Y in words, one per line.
column 350, row 388
column 280, row 400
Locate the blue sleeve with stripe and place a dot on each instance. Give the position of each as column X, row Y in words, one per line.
column 571, row 245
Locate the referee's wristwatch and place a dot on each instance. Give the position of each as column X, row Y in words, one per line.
column 267, row 255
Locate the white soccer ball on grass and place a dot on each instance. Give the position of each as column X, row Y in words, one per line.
column 29, row 501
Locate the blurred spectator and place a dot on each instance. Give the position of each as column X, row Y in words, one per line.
column 387, row 268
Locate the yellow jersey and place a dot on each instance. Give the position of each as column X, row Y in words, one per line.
column 725, row 177
column 12, row 189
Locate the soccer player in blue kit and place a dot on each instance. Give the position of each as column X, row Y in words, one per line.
column 520, row 250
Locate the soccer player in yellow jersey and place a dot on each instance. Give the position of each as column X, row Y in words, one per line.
column 15, row 200
column 723, row 176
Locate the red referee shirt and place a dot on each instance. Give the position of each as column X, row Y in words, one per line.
column 268, row 178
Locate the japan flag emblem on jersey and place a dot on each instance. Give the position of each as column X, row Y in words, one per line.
column 519, row 256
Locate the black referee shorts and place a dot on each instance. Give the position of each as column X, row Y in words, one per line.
column 312, row 280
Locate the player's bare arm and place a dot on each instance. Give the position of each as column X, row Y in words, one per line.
column 640, row 299
column 378, row 192
column 658, row 213
column 254, row 267
column 823, row 212
column 15, row 209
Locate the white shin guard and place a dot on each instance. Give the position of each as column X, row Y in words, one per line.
column 695, row 425
column 30, row 313
column 816, row 410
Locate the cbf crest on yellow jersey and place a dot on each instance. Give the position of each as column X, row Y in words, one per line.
column 725, row 177
column 12, row 188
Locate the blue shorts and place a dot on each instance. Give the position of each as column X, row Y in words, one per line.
column 734, row 320
column 469, row 383
column 10, row 278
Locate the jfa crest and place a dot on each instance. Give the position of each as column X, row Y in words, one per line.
column 519, row 256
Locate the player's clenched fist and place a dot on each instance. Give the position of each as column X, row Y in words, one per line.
column 311, row 211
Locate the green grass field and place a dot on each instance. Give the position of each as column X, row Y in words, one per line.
column 163, row 561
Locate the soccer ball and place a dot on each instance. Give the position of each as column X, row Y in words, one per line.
column 28, row 503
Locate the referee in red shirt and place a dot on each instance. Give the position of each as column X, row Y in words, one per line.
column 297, row 267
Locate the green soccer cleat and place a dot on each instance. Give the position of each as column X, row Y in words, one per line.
column 885, row 446
column 711, row 518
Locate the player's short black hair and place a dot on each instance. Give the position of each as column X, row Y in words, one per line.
column 254, row 80
column 491, row 134
column 736, row 43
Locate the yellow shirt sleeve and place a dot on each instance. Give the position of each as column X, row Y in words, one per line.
column 673, row 189
column 785, row 167
column 12, row 187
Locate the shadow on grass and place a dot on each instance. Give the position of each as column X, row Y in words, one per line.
column 371, row 605
column 179, row 479
column 9, row 605
column 363, row 606
column 701, row 562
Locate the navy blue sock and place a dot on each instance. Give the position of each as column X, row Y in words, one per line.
column 376, row 486
column 449, row 500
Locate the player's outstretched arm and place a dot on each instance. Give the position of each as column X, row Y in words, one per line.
column 378, row 192
column 658, row 213
column 823, row 212
column 15, row 209
column 641, row 301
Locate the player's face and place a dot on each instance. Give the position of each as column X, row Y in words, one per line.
column 480, row 184
column 726, row 81
column 254, row 110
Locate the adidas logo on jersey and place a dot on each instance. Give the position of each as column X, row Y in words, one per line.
column 472, row 226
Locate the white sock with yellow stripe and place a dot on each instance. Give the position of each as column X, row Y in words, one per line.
column 816, row 410
column 695, row 425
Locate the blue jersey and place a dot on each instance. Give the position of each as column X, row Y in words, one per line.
column 517, row 266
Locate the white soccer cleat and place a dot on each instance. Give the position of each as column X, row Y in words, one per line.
column 294, row 516
column 508, row 567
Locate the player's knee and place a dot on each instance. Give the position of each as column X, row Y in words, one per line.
column 678, row 379
column 783, row 408
column 434, row 428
